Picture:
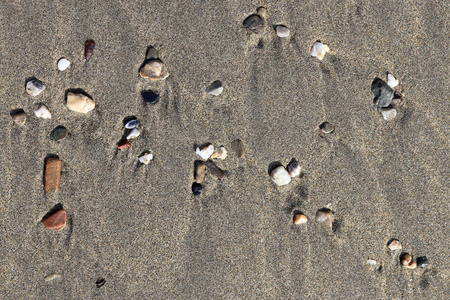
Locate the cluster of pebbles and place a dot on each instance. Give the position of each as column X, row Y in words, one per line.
column 282, row 176
column 384, row 93
column 323, row 216
column 201, row 167
column 406, row 259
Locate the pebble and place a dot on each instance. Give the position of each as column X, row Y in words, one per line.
column 132, row 124
column 326, row 127
column 215, row 171
column 215, row 88
column 280, row 176
column 52, row 277
column 300, row 219
column 52, row 174
column 146, row 158
column 19, row 117
column 59, row 133
column 238, row 147
column 283, row 31
column 154, row 69
column 394, row 244
column 391, row 80
column 254, row 23
column 407, row 261
column 388, row 113
column 100, row 282
column 293, row 168
column 199, row 171
column 372, row 262
column 220, row 153
column 56, row 221
column 325, row 216
column 205, row 152
column 124, row 144
column 134, row 133
column 34, row 87
column 383, row 94
column 196, row 189
column 422, row 262
column 43, row 112
column 89, row 46
column 150, row 97
column 319, row 50
column 63, row 64
column 79, row 102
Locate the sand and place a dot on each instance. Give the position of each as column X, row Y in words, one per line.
column 140, row 227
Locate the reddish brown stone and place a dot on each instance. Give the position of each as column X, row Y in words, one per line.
column 52, row 174
column 56, row 221
column 124, row 144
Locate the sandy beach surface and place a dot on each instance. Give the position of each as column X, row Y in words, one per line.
column 140, row 227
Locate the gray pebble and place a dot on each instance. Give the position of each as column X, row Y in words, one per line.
column 132, row 124
column 326, row 127
column 254, row 23
column 59, row 133
column 383, row 93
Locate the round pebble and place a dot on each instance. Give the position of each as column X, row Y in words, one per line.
column 132, row 124
column 406, row 259
column 300, row 219
column 283, row 31
column 280, row 176
column 326, row 127
column 196, row 189
column 254, row 23
column 59, row 133
column 150, row 97
column 422, row 262
column 63, row 64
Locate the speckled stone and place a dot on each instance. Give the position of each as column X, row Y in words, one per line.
column 59, row 133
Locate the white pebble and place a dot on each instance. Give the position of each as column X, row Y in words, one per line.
column 205, row 152
column 283, row 31
column 280, row 176
column 63, row 64
column 134, row 133
column 146, row 158
column 220, row 152
column 34, row 87
column 215, row 88
column 372, row 262
column 43, row 112
column 319, row 50
column 388, row 113
column 391, row 81
column 52, row 277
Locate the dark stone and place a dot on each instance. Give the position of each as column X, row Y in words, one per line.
column 383, row 94
column 150, row 97
column 422, row 262
column 59, row 133
column 196, row 189
column 254, row 23
column 215, row 171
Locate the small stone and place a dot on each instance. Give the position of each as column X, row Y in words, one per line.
column 388, row 113
column 199, row 171
column 154, row 69
column 319, row 50
column 100, row 282
column 254, row 23
column 300, row 219
column 43, row 112
column 89, row 46
column 394, row 244
column 56, row 221
column 146, row 158
column 391, row 81
column 220, row 153
column 283, row 31
column 406, row 259
column 52, row 174
column 422, row 262
column 293, row 168
column 63, row 64
column 132, row 124
column 124, row 144
column 52, row 277
column 238, row 147
column 262, row 11
column 196, row 189
column 372, row 262
column 19, row 117
column 280, row 176
column 383, row 94
column 325, row 216
column 205, row 152
column 326, row 127
column 59, row 133
column 79, row 103
column 134, row 133
column 34, row 87
column 215, row 171
column 411, row 265
column 150, row 97
column 152, row 53
column 215, row 88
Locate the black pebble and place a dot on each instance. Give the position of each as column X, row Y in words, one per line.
column 150, row 97
column 196, row 189
column 59, row 133
column 382, row 92
column 422, row 261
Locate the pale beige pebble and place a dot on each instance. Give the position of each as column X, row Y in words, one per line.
column 282, row 31
column 325, row 216
column 79, row 103
column 43, row 112
column 394, row 244
column 262, row 11
column 20, row 118
column 52, row 277
column 280, row 176
column 319, row 50
column 388, row 113
column 220, row 153
column 406, row 259
column 205, row 152
column 154, row 69
column 300, row 219
column 391, row 80
column 371, row 262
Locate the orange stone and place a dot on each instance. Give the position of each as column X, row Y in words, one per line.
column 56, row 221
column 300, row 219
column 52, row 174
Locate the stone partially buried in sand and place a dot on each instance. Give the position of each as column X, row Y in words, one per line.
column 79, row 102
column 59, row 133
column 215, row 88
column 282, row 31
column 154, row 69
column 56, row 221
column 255, row 22
column 280, row 176
column 325, row 217
column 300, row 218
column 238, row 147
column 19, row 117
column 319, row 50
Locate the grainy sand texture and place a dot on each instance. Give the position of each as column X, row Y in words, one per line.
column 140, row 227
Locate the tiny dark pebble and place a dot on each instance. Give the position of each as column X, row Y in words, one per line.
column 196, row 189
column 150, row 97
column 100, row 282
column 422, row 262
column 59, row 133
column 254, row 23
column 383, row 93
column 326, row 127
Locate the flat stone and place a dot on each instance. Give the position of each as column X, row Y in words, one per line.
column 52, row 174
column 146, row 158
column 34, row 87
column 326, row 127
column 293, row 168
column 56, row 221
column 254, row 23
column 383, row 93
column 220, row 153
column 215, row 88
column 282, row 31
column 63, row 64
column 134, row 133
column 388, row 113
column 59, row 133
column 205, row 152
column 300, row 219
column 394, row 244
column 79, row 102
column 154, row 69
column 319, row 50
column 196, row 189
column 280, row 176
column 150, row 97
column 19, row 117
column 215, row 171
column 52, row 277
column 43, row 112
column 199, row 171
column 238, row 147
column 422, row 262
column 325, row 217
column 124, row 144
column 132, row 124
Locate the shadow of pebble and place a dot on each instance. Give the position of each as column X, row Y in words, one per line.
column 273, row 166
